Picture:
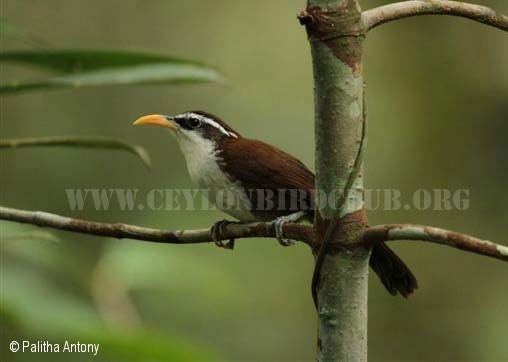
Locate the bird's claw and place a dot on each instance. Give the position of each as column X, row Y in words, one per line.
column 278, row 225
column 217, row 230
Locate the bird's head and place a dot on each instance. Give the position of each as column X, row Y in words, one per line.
column 192, row 128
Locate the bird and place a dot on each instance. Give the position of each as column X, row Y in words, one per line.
column 251, row 180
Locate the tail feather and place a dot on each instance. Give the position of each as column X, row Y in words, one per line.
column 394, row 274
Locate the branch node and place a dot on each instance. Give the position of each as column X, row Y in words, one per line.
column 304, row 18
column 329, row 24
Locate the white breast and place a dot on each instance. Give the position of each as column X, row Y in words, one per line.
column 204, row 170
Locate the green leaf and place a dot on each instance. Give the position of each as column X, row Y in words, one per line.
column 80, row 68
column 69, row 61
column 78, row 141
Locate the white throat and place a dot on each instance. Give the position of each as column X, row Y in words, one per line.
column 204, row 170
column 200, row 155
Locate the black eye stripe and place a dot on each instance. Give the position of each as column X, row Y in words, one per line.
column 207, row 124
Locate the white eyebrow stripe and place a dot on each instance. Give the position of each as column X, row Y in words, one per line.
column 212, row 123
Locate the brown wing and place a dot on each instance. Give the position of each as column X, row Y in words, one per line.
column 260, row 166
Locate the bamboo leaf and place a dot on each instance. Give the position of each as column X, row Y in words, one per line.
column 80, row 68
column 78, row 141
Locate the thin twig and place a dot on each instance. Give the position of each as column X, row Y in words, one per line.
column 383, row 14
column 77, row 141
column 298, row 232
column 454, row 239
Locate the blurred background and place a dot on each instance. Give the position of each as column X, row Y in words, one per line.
column 438, row 111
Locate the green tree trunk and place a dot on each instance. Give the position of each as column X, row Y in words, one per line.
column 334, row 30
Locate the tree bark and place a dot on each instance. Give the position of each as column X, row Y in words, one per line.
column 335, row 33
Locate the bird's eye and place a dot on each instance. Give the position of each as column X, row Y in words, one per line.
column 193, row 122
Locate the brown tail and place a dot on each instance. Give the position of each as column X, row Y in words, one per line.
column 394, row 274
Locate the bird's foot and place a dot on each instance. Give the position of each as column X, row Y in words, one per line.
column 217, row 230
column 279, row 222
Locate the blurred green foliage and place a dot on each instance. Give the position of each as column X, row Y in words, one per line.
column 82, row 68
column 437, row 100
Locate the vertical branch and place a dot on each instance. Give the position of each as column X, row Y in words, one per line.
column 336, row 35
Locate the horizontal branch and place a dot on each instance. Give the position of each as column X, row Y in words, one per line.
column 298, row 232
column 383, row 14
column 454, row 239
column 303, row 233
